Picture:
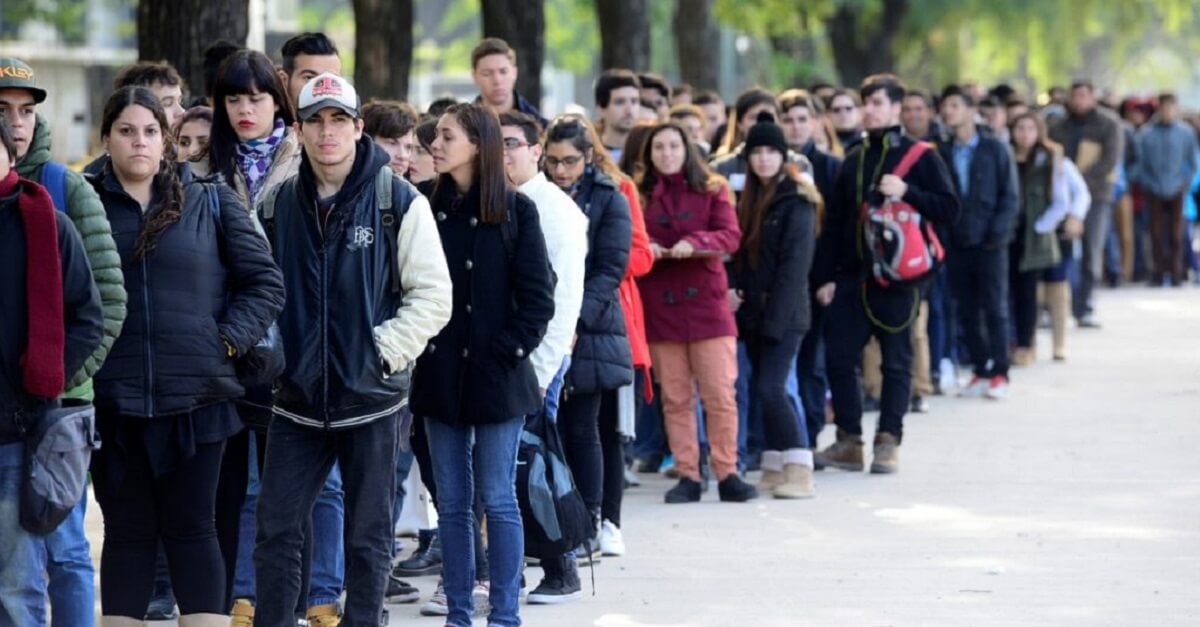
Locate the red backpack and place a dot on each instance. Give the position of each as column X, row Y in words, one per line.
column 901, row 247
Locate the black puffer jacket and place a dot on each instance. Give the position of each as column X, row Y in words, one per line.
column 602, row 359
column 774, row 286
column 209, row 280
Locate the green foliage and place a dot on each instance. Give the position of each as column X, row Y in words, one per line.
column 68, row 17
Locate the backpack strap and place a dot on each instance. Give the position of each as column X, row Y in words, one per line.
column 910, row 158
column 384, row 182
column 54, row 179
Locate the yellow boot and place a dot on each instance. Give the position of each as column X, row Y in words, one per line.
column 323, row 616
column 242, row 614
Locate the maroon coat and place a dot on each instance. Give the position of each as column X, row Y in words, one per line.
column 686, row 299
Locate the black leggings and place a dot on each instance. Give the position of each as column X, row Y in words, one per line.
column 612, row 447
column 579, row 425
column 771, row 364
column 178, row 507
column 1023, row 286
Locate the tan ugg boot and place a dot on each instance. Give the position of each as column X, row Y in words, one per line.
column 845, row 454
column 242, row 614
column 797, row 475
column 772, row 471
column 120, row 621
column 323, row 616
column 203, row 620
column 1058, row 299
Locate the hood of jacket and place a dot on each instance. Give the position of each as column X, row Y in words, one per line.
column 39, row 149
column 368, row 158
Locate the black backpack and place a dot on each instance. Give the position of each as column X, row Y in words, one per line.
column 555, row 518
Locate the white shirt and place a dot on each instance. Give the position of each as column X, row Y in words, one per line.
column 565, row 229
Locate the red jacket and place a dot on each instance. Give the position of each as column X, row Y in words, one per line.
column 686, row 299
column 640, row 262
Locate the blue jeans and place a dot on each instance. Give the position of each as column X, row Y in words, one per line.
column 328, row 554
column 22, row 554
column 651, row 436
column 461, row 456
column 243, row 579
column 298, row 464
column 404, row 464
column 71, row 574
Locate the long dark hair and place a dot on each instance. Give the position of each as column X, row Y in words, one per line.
column 482, row 127
column 695, row 170
column 1053, row 151
column 756, row 200
column 166, row 188
column 631, row 154
column 244, row 72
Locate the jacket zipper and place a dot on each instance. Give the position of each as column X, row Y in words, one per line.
column 322, row 258
column 149, row 360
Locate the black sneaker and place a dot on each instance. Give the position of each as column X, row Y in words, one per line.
column 558, row 588
column 686, row 491
column 162, row 605
column 427, row 560
column 733, row 489
column 400, row 592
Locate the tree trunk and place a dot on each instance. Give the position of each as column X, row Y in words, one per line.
column 522, row 23
column 178, row 31
column 624, row 34
column 383, row 48
column 861, row 49
column 696, row 42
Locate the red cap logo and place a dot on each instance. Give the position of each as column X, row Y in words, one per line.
column 328, row 86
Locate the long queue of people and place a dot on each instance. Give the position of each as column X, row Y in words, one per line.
column 669, row 290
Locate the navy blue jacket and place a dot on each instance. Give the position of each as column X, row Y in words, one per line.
column 82, row 316
column 339, row 286
column 209, row 280
column 825, row 169
column 602, row 359
column 477, row 370
column 989, row 210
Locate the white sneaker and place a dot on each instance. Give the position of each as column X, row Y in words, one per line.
column 998, row 388
column 437, row 605
column 977, row 388
column 947, row 375
column 612, row 543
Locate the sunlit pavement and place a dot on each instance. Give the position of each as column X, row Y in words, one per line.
column 1074, row 502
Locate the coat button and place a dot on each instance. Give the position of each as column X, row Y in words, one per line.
column 474, row 222
column 432, row 347
column 465, row 353
column 468, row 309
column 470, row 264
column 520, row 353
column 441, row 216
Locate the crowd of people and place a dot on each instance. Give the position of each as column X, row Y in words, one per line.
column 264, row 303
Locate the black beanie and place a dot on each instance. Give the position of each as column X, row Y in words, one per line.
column 766, row 132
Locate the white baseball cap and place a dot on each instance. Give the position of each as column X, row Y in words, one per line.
column 327, row 90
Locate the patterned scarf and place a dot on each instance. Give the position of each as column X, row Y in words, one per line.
column 255, row 158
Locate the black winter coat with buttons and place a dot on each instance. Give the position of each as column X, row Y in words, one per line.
column 602, row 359
column 210, row 280
column 774, row 285
column 477, row 370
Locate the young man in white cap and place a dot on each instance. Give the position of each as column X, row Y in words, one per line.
column 367, row 288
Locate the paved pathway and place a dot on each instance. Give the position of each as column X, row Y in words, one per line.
column 1075, row 502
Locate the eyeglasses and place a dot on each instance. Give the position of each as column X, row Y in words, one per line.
column 570, row 162
column 512, row 143
column 842, row 109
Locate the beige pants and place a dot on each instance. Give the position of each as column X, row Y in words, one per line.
column 710, row 365
column 922, row 381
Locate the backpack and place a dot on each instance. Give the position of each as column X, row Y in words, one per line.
column 54, row 179
column 553, row 513
column 901, row 248
column 265, row 361
column 58, row 443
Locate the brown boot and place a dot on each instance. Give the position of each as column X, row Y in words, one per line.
column 797, row 476
column 772, row 471
column 845, row 454
column 887, row 454
column 1058, row 299
column 1023, row 356
column 323, row 616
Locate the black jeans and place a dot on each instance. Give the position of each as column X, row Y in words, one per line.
column 579, row 425
column 177, row 507
column 297, row 462
column 771, row 364
column 612, row 448
column 810, row 373
column 979, row 279
column 1023, row 286
column 846, row 335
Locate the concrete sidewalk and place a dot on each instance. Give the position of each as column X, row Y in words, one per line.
column 1075, row 502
